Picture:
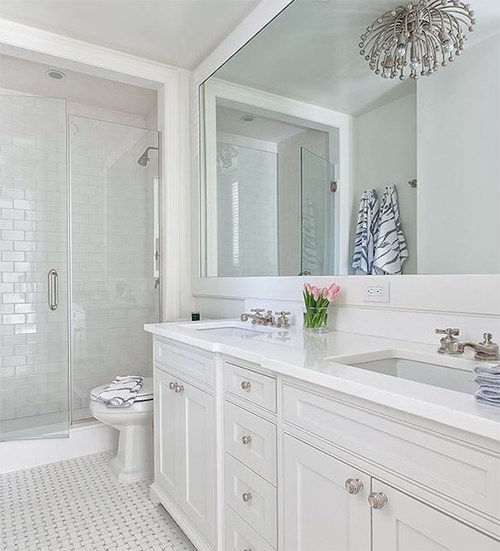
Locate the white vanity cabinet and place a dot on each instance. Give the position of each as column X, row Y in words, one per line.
column 184, row 428
column 328, row 504
column 318, row 512
column 247, row 459
column 326, row 508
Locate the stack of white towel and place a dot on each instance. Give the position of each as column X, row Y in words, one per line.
column 488, row 379
column 121, row 392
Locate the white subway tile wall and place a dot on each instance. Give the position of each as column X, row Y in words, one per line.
column 112, row 204
column 112, row 201
column 247, row 211
column 34, row 239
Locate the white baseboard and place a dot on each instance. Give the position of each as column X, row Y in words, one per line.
column 84, row 439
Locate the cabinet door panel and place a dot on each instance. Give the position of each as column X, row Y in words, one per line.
column 197, row 458
column 167, row 440
column 406, row 524
column 319, row 513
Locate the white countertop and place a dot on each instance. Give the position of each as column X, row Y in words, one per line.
column 311, row 358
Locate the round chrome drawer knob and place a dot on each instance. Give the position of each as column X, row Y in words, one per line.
column 246, row 497
column 377, row 500
column 172, row 385
column 246, row 385
column 246, row 440
column 353, row 485
column 178, row 388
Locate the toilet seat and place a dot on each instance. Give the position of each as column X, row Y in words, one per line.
column 145, row 394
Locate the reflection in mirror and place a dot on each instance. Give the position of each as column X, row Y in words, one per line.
column 313, row 162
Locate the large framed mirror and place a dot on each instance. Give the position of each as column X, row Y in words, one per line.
column 299, row 136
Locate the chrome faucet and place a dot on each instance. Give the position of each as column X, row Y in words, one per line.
column 449, row 344
column 484, row 351
column 258, row 318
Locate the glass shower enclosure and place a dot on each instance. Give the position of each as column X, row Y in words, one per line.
column 319, row 218
column 34, row 375
column 79, row 260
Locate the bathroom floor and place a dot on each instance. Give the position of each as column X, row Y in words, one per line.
column 77, row 505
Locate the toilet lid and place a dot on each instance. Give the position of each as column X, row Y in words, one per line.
column 145, row 394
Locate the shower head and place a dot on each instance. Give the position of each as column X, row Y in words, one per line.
column 143, row 160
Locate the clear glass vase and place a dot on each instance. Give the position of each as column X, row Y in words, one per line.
column 316, row 319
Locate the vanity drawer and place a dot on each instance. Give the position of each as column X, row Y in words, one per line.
column 458, row 470
column 186, row 360
column 240, row 536
column 251, row 386
column 252, row 440
column 252, row 497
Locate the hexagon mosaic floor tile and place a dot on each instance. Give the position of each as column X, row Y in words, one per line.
column 77, row 505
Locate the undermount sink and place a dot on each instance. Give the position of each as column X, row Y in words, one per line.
column 230, row 329
column 442, row 371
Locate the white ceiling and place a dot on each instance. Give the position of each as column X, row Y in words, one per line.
column 261, row 128
column 310, row 53
column 176, row 32
column 30, row 77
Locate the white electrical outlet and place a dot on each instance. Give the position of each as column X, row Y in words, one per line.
column 377, row 292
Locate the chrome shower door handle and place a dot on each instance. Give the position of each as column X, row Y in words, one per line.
column 53, row 284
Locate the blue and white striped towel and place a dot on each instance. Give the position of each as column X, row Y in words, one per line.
column 366, row 233
column 121, row 392
column 390, row 247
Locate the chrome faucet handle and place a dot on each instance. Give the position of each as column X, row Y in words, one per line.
column 449, row 343
column 282, row 320
column 257, row 310
column 448, row 331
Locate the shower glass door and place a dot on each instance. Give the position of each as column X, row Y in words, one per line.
column 318, row 214
column 34, row 373
column 115, row 253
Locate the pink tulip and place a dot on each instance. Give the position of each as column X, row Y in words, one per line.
column 307, row 287
column 333, row 292
column 315, row 292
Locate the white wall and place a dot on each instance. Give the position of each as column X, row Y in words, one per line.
column 386, row 154
column 459, row 109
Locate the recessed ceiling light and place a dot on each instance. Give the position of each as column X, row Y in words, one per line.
column 56, row 74
column 247, row 118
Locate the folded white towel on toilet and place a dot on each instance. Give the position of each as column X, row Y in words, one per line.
column 121, row 392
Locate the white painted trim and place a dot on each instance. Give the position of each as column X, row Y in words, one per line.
column 264, row 12
column 284, row 109
column 460, row 294
column 172, row 85
column 244, row 141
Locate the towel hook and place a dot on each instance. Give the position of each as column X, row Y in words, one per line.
column 413, row 183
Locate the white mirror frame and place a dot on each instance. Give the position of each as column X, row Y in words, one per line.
column 471, row 295
column 311, row 115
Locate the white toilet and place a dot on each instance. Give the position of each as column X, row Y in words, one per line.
column 134, row 460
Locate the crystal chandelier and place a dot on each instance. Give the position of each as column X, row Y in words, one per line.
column 415, row 39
